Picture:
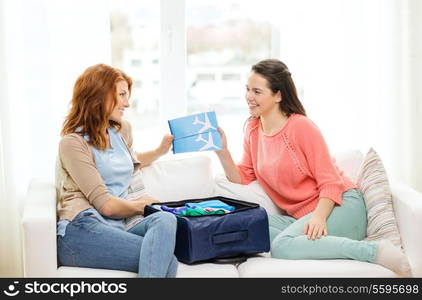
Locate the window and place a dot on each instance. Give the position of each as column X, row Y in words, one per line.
column 135, row 31
column 223, row 41
column 189, row 56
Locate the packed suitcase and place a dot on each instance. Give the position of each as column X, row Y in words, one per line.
column 216, row 228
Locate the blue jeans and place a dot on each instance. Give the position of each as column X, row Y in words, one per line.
column 346, row 229
column 147, row 248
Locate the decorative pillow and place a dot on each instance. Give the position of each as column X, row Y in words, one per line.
column 135, row 191
column 373, row 184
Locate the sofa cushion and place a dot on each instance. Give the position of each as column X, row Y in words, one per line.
column 179, row 178
column 374, row 186
column 186, row 271
column 206, row 270
column 273, row 267
column 77, row 272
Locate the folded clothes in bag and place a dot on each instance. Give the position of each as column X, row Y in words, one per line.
column 242, row 231
column 201, row 208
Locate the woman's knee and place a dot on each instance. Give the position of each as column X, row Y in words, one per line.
column 280, row 247
column 165, row 219
column 173, row 266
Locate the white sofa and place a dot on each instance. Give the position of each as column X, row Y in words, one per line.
column 186, row 177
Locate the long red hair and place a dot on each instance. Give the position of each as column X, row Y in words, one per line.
column 94, row 98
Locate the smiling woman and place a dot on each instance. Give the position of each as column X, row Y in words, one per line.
column 265, row 87
column 95, row 167
column 285, row 152
column 94, row 106
column 122, row 91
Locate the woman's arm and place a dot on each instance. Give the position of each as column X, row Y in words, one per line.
column 317, row 224
column 147, row 158
column 329, row 181
column 230, row 168
column 78, row 162
column 120, row 208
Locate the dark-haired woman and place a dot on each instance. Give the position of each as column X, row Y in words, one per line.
column 95, row 167
column 286, row 153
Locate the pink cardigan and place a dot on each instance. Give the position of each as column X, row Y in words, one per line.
column 293, row 166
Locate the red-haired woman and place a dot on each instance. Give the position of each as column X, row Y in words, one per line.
column 95, row 167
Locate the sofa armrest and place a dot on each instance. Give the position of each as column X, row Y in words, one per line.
column 39, row 230
column 408, row 211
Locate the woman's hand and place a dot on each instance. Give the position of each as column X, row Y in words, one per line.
column 148, row 200
column 315, row 227
column 118, row 208
column 143, row 201
column 224, row 147
column 317, row 224
column 147, row 158
column 165, row 145
column 230, row 168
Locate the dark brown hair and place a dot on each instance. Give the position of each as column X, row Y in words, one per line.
column 279, row 79
column 94, row 98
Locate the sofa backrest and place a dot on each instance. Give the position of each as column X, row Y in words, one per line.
column 349, row 162
column 179, row 178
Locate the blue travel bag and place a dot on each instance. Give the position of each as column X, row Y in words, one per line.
column 241, row 232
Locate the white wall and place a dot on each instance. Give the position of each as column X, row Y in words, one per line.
column 414, row 11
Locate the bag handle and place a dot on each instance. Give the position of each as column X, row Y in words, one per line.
column 229, row 237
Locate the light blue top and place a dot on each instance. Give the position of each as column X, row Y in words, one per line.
column 115, row 166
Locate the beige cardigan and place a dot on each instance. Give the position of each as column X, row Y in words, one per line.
column 78, row 182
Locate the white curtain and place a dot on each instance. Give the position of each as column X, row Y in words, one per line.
column 44, row 46
column 358, row 65
column 408, row 106
column 341, row 56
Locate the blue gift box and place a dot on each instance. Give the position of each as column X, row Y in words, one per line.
column 196, row 132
